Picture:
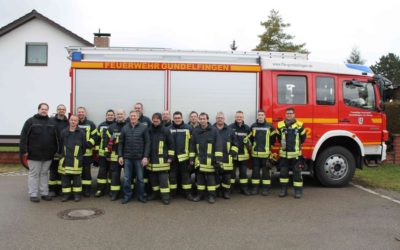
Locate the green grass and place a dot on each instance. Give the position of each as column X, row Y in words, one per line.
column 9, row 149
column 6, row 168
column 385, row 176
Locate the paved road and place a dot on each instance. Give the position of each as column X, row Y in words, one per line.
column 342, row 218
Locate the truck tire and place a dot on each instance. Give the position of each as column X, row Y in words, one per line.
column 335, row 167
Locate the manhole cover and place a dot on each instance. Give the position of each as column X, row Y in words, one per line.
column 80, row 213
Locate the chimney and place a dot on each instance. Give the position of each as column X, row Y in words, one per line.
column 102, row 40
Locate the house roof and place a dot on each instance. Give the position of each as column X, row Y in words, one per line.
column 34, row 14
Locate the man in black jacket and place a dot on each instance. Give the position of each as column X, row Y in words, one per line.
column 89, row 128
column 206, row 154
column 133, row 153
column 111, row 142
column 180, row 167
column 241, row 130
column 61, row 121
column 261, row 139
column 39, row 142
column 229, row 151
column 104, row 174
column 161, row 154
column 73, row 145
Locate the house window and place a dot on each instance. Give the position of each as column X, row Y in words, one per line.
column 36, row 54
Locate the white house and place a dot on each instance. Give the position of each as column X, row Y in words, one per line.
column 33, row 68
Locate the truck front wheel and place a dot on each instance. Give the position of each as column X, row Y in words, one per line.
column 335, row 167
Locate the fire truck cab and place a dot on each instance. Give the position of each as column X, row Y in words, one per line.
column 339, row 104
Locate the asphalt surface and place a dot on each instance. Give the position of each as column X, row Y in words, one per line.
column 325, row 218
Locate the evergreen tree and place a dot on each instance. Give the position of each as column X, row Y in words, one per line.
column 275, row 39
column 389, row 67
column 355, row 57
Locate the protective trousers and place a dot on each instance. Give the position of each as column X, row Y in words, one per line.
column 285, row 165
column 104, row 175
column 159, row 181
column 147, row 184
column 243, row 179
column 206, row 180
column 223, row 179
column 115, row 186
column 180, row 169
column 261, row 164
column 86, row 174
column 76, row 186
column 54, row 178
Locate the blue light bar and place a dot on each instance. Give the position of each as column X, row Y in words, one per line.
column 359, row 67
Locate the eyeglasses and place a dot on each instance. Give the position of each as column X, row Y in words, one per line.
column 290, row 113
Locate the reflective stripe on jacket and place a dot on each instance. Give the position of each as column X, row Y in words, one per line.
column 290, row 136
column 206, row 148
column 181, row 136
column 102, row 131
column 90, row 131
column 261, row 138
column 229, row 146
column 73, row 148
column 162, row 148
column 241, row 131
column 111, row 140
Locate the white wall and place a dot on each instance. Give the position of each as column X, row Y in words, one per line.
column 22, row 87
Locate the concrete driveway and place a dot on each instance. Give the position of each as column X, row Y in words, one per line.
column 325, row 218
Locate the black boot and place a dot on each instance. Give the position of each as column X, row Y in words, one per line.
column 211, row 199
column 227, row 193
column 153, row 196
column 188, row 196
column 219, row 192
column 244, row 190
column 77, row 197
column 114, row 196
column 298, row 193
column 86, row 192
column 99, row 193
column 198, row 197
column 65, row 197
column 165, row 198
column 283, row 191
column 254, row 190
column 265, row 191
column 173, row 192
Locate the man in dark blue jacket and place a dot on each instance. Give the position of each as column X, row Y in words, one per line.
column 133, row 153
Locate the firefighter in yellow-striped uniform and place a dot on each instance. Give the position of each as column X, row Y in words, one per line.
column 104, row 174
column 180, row 167
column 229, row 150
column 89, row 128
column 206, row 154
column 111, row 142
column 241, row 130
column 73, row 146
column 260, row 139
column 161, row 155
column 291, row 135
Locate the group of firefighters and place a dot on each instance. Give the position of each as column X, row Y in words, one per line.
column 159, row 156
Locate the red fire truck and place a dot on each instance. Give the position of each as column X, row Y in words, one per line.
column 339, row 104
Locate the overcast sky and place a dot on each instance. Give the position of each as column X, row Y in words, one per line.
column 330, row 29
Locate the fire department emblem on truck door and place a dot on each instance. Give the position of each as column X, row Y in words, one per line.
column 360, row 120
